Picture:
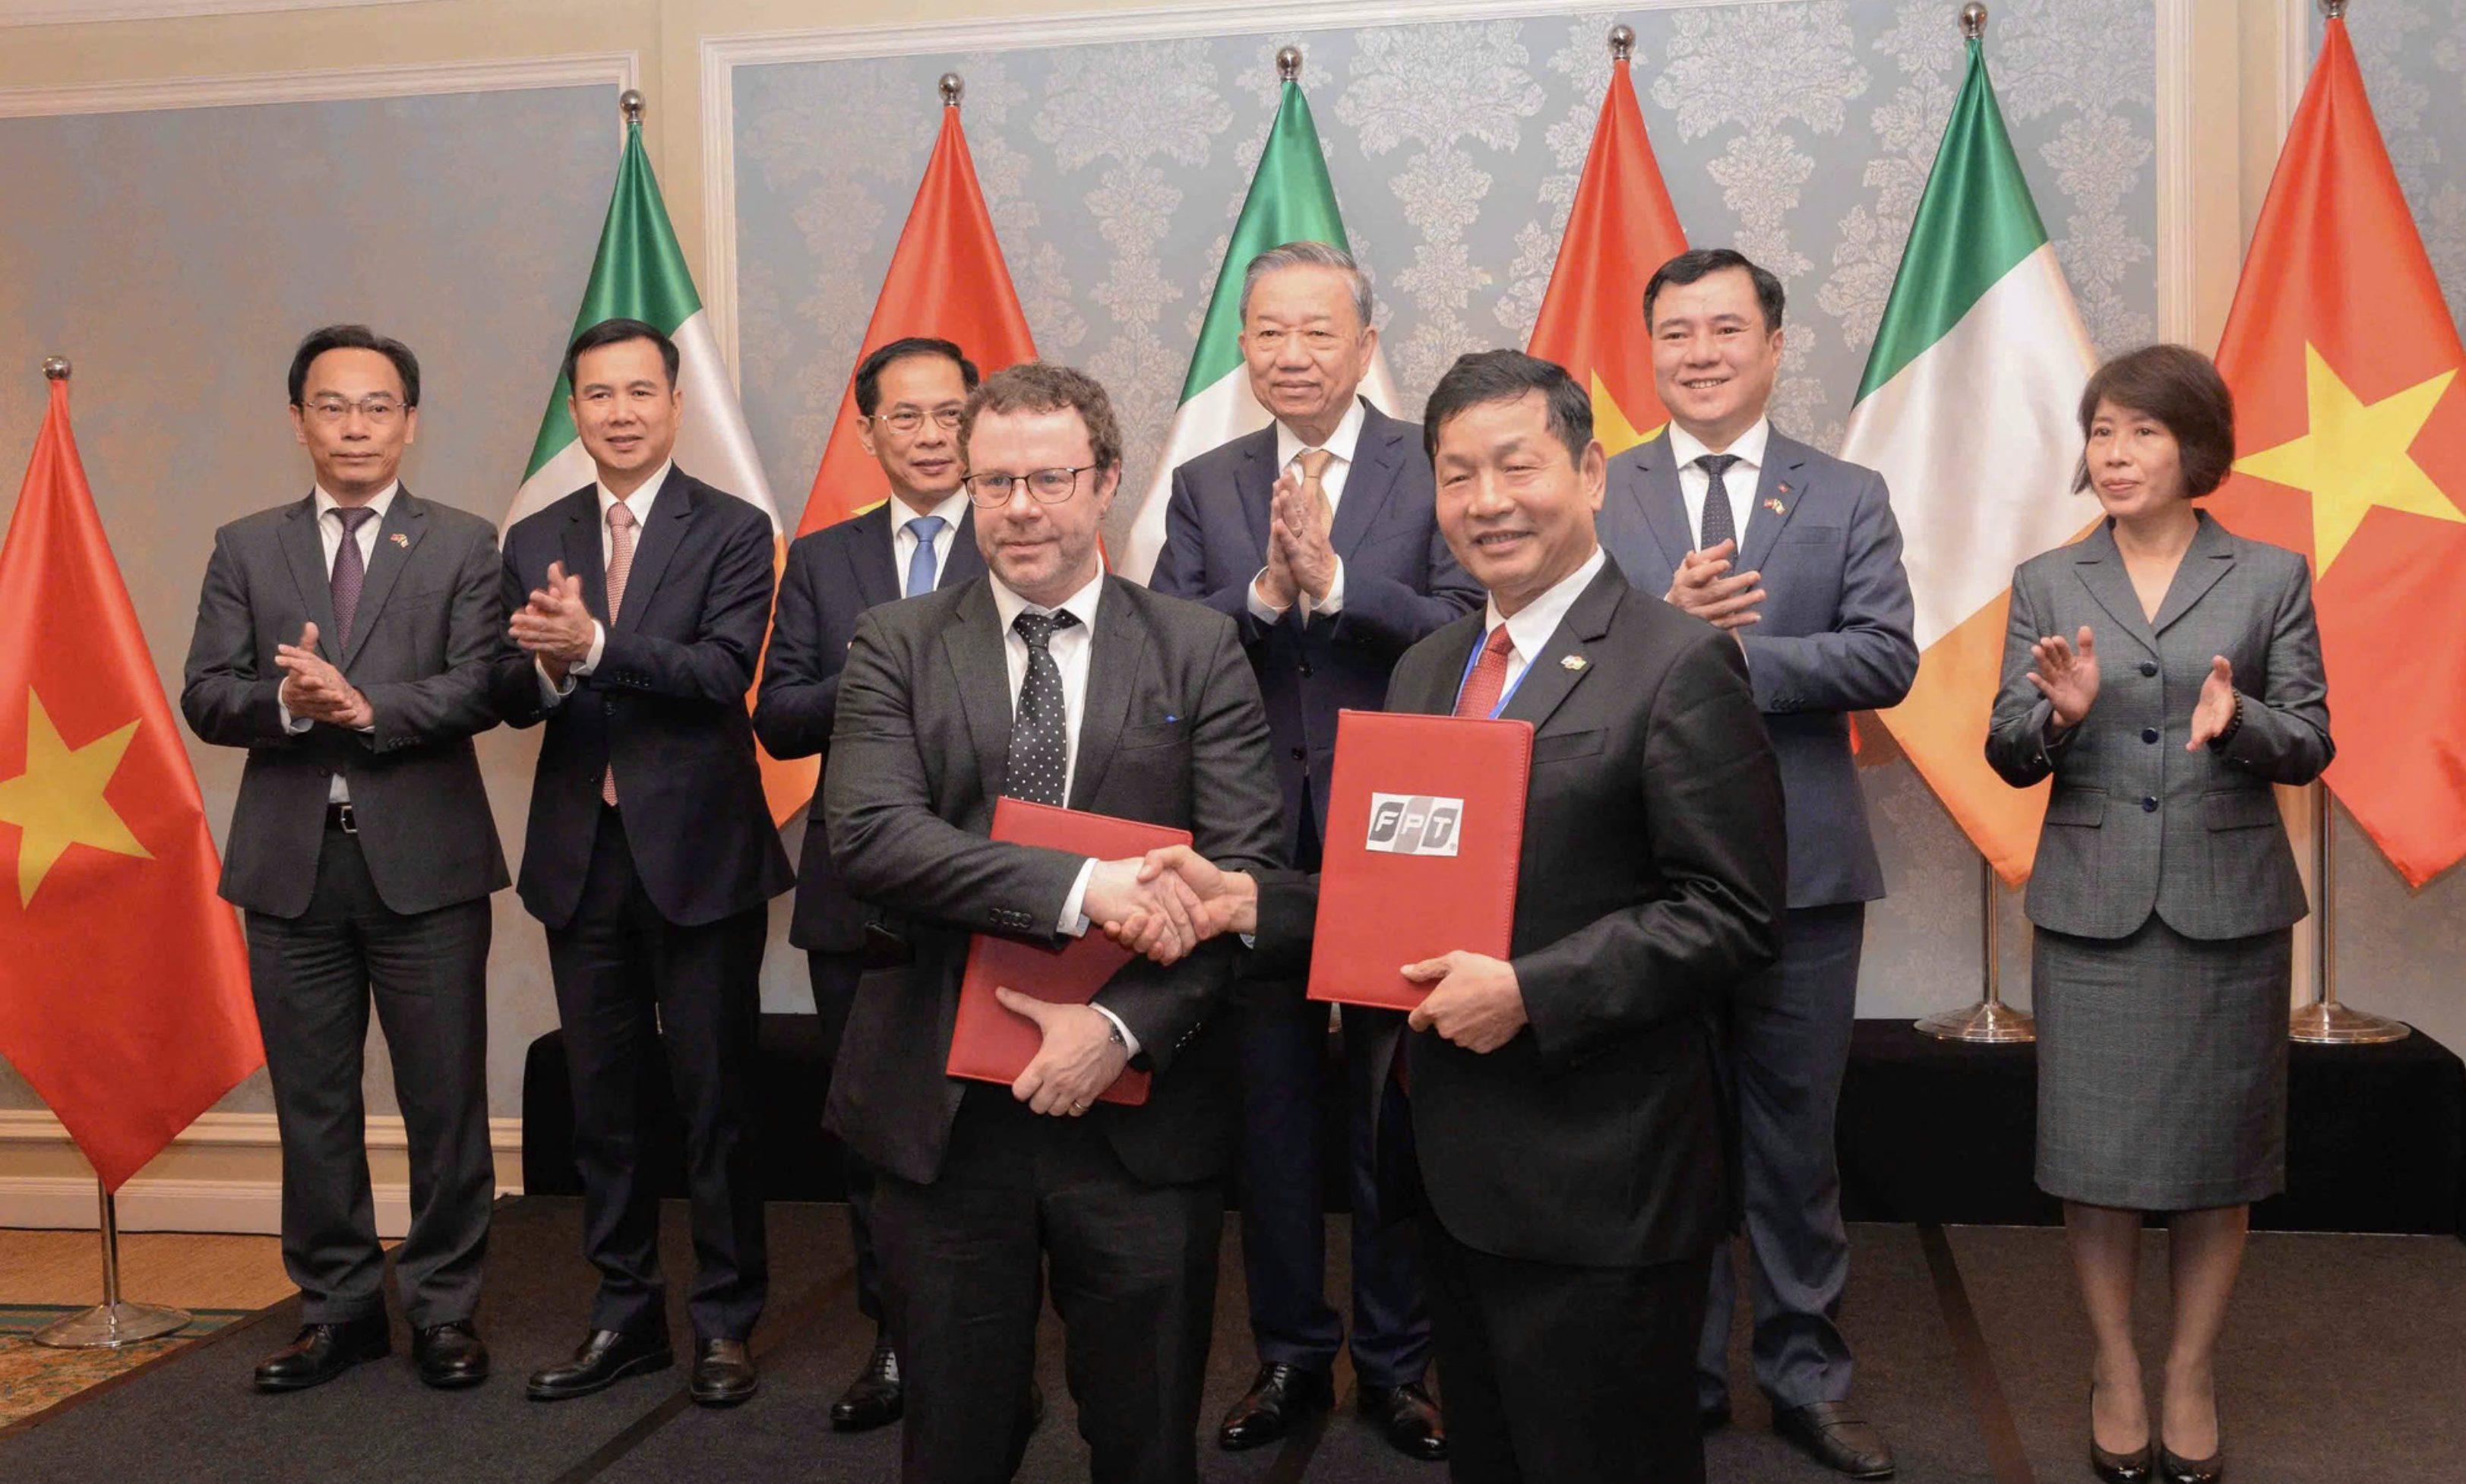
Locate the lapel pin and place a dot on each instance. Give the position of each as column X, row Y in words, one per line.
column 1575, row 662
column 399, row 539
column 1776, row 506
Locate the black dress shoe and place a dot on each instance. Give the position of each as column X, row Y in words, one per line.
column 1278, row 1397
column 1831, row 1434
column 449, row 1355
column 875, row 1398
column 2179, row 1470
column 723, row 1373
column 607, row 1357
column 321, row 1352
column 1408, row 1419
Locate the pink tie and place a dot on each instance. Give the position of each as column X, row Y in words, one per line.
column 621, row 566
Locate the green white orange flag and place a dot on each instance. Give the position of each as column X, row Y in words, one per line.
column 2350, row 428
column 1620, row 230
column 1969, row 409
column 123, row 991
column 639, row 274
column 947, row 280
column 1291, row 200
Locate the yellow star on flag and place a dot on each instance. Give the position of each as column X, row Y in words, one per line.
column 1610, row 424
column 58, row 801
column 2354, row 456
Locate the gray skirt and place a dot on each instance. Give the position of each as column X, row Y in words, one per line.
column 2161, row 1067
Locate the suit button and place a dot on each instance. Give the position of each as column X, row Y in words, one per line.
column 1299, row 753
column 1306, row 669
column 2149, row 734
column 608, row 708
column 2148, row 667
column 2149, row 805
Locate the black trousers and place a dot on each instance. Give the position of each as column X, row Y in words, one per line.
column 1133, row 1273
column 628, row 984
column 835, row 977
column 1566, row 1375
column 314, row 976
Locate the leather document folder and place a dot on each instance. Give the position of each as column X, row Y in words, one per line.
column 989, row 1043
column 1425, row 836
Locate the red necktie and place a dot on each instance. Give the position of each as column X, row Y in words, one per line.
column 1480, row 691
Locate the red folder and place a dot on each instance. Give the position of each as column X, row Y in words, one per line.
column 1424, row 834
column 990, row 1044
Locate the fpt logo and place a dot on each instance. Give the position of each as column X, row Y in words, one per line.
column 1415, row 824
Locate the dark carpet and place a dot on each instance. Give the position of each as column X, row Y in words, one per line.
column 2341, row 1362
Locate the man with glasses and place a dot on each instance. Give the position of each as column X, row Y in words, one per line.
column 345, row 639
column 909, row 396
column 1045, row 681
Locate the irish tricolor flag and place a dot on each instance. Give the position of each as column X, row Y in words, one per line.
column 1969, row 408
column 639, row 274
column 1291, row 200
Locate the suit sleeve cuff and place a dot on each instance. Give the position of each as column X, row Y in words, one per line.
column 1129, row 1041
column 295, row 725
column 1260, row 607
column 551, row 693
column 1333, row 603
column 598, row 647
column 1074, row 921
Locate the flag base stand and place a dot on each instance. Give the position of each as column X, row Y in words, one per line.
column 1989, row 1021
column 111, row 1323
column 2325, row 1022
column 2332, row 1024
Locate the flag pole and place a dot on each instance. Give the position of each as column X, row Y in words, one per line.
column 1989, row 1020
column 2325, row 1022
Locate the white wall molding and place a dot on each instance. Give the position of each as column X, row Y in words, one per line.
column 2293, row 58
column 618, row 70
column 58, row 12
column 2175, row 246
column 223, row 1173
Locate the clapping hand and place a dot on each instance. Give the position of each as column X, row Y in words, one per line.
column 1703, row 586
column 1078, row 1059
column 1220, row 902
column 316, row 690
column 2068, row 677
column 1276, row 585
column 2214, row 712
column 1478, row 1005
column 556, row 625
column 1297, row 534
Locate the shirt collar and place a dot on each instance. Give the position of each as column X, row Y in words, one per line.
column 1686, row 448
column 1341, row 443
column 1536, row 621
column 950, row 510
column 639, row 501
column 383, row 501
column 1080, row 605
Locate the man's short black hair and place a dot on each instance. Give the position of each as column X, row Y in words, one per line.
column 615, row 332
column 1485, row 376
column 1699, row 262
column 354, row 337
column 868, row 375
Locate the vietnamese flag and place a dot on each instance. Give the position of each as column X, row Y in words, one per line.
column 1620, row 230
column 947, row 280
column 2350, row 436
column 123, row 991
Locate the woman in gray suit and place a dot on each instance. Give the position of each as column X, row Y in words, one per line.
column 2166, row 672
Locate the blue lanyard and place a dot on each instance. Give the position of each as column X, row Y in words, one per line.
column 1474, row 659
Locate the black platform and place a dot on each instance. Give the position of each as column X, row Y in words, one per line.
column 1938, row 1131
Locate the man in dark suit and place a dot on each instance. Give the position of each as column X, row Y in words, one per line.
column 1566, row 1109
column 1796, row 554
column 1051, row 682
column 345, row 640
column 909, row 397
column 1317, row 535
column 639, row 602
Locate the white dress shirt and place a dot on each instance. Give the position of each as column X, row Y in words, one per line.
column 639, row 502
column 1739, row 480
column 1290, row 448
column 1071, row 649
column 903, row 540
column 329, row 535
column 1530, row 629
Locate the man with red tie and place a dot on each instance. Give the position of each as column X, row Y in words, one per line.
column 1565, row 1110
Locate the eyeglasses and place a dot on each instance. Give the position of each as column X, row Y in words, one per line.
column 1049, row 486
column 907, row 419
column 375, row 410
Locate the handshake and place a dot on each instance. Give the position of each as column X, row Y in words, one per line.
column 1169, row 901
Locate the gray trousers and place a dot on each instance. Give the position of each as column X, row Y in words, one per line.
column 314, row 976
column 1787, row 1046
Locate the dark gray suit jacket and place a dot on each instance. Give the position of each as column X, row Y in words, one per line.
column 2137, row 823
column 1835, row 634
column 832, row 576
column 1401, row 582
column 1173, row 735
column 430, row 622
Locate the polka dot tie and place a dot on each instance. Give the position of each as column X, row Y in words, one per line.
column 1719, row 526
column 1040, row 729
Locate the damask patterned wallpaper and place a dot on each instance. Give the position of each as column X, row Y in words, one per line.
column 2413, row 58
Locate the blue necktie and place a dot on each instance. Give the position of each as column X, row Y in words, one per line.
column 919, row 563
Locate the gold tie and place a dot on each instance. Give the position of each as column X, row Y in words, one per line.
column 1313, row 464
